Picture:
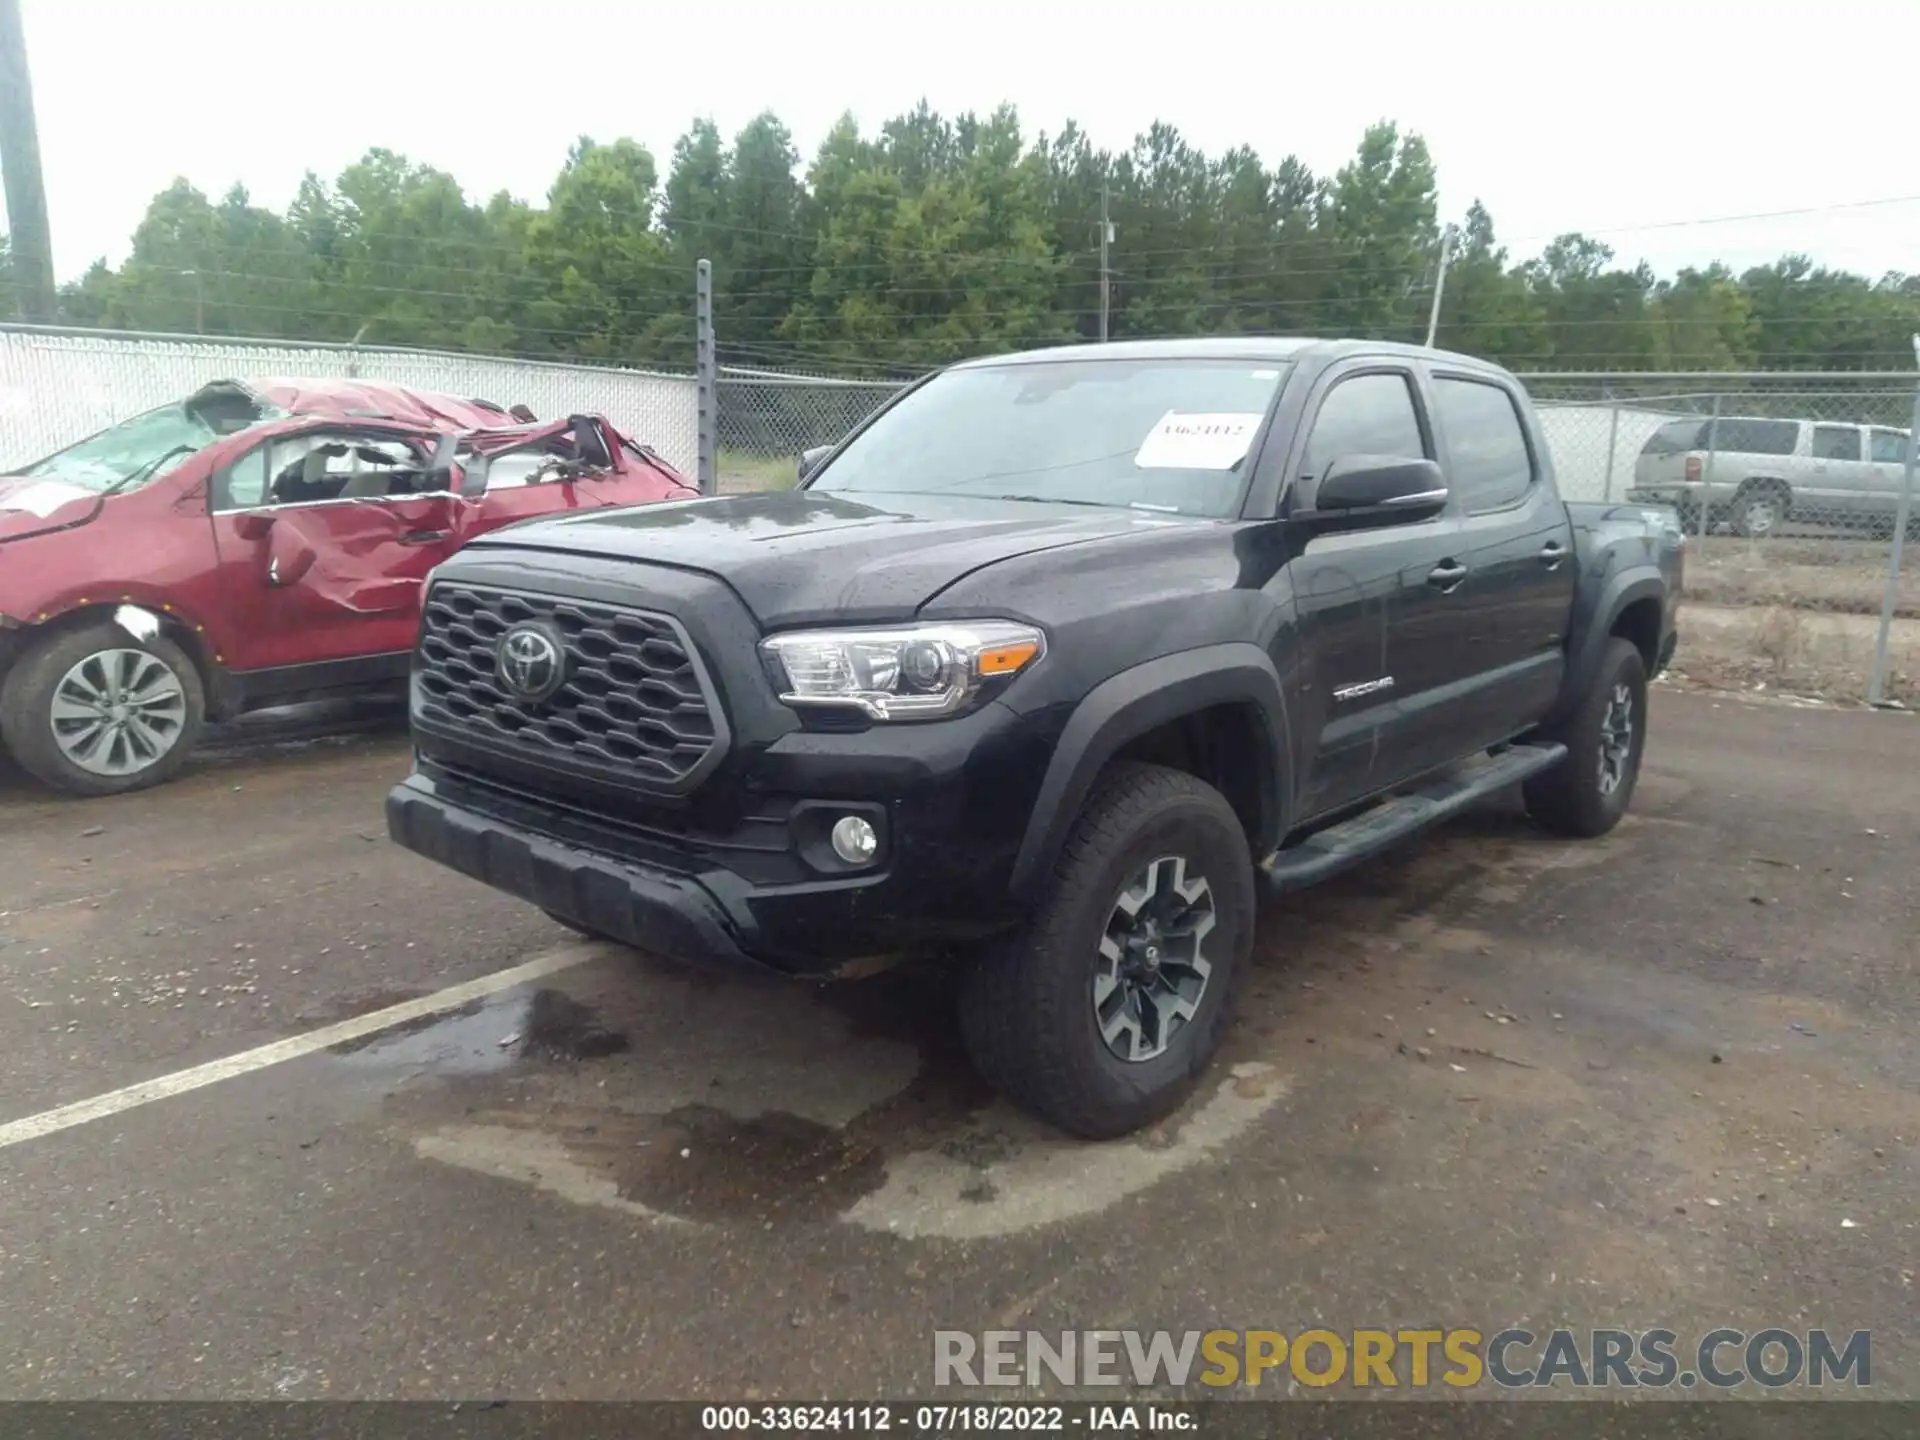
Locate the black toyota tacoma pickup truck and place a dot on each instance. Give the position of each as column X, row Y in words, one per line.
column 1046, row 668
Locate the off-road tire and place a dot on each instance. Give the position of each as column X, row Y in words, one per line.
column 26, row 699
column 1570, row 798
column 1026, row 1004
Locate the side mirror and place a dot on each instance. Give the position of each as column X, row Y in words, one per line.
column 1405, row 486
column 252, row 524
column 589, row 445
column 810, row 460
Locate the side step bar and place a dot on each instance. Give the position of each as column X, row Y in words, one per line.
column 1332, row 850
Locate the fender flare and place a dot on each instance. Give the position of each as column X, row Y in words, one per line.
column 1141, row 699
column 1641, row 582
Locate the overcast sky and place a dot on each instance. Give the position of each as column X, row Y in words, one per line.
column 1609, row 118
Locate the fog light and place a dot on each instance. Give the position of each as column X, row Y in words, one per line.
column 854, row 840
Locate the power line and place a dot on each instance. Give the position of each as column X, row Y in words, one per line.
column 1796, row 212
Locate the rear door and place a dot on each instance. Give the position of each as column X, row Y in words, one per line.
column 1839, row 480
column 1510, row 620
column 563, row 470
column 539, row 478
column 1374, row 624
column 324, row 539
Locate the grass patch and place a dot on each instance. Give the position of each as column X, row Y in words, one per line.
column 1834, row 577
column 1827, row 654
column 742, row 472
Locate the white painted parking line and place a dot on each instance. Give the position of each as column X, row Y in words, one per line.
column 65, row 1117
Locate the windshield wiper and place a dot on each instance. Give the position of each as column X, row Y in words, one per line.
column 147, row 469
column 1055, row 500
column 1096, row 504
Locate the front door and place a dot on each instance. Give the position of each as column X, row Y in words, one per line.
column 325, row 539
column 1374, row 617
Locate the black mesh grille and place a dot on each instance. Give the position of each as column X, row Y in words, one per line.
column 632, row 703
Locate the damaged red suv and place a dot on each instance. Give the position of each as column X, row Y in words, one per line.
column 259, row 543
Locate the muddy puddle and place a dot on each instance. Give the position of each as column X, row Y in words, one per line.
column 486, row 1038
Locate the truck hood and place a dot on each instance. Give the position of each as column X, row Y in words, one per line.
column 33, row 507
column 801, row 558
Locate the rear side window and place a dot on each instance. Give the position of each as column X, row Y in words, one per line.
column 1675, row 438
column 1836, row 442
column 1486, row 446
column 1365, row 415
column 1889, row 447
column 1755, row 437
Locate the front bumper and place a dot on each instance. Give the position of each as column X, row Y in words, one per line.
column 950, row 800
column 651, row 910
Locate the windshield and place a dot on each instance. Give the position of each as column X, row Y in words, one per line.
column 1163, row 435
column 138, row 451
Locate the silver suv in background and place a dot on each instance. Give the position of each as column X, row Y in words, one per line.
column 1762, row 473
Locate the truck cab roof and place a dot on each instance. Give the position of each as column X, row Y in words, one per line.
column 1230, row 347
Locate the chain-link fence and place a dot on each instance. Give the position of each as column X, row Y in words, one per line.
column 766, row 419
column 57, row 386
column 1789, row 487
column 1790, row 490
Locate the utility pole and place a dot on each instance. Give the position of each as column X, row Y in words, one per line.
column 199, row 302
column 1440, row 284
column 706, row 383
column 20, row 159
column 1106, row 274
column 1902, row 515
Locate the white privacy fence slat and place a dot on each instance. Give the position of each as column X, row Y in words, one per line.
column 60, row 386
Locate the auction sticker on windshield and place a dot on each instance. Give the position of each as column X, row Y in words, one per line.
column 1215, row 441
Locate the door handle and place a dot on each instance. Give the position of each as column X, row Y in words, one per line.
column 424, row 537
column 1552, row 553
column 1446, row 576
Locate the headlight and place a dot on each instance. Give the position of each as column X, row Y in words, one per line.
column 917, row 672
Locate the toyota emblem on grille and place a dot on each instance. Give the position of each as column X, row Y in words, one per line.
column 529, row 663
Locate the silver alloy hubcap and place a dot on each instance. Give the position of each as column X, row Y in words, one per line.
column 1761, row 516
column 1616, row 739
column 1153, row 969
column 118, row 712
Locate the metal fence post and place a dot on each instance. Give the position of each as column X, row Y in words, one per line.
column 1613, row 440
column 706, row 382
column 1706, row 479
column 1877, row 687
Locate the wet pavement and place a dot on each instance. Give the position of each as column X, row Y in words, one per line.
column 1494, row 1079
